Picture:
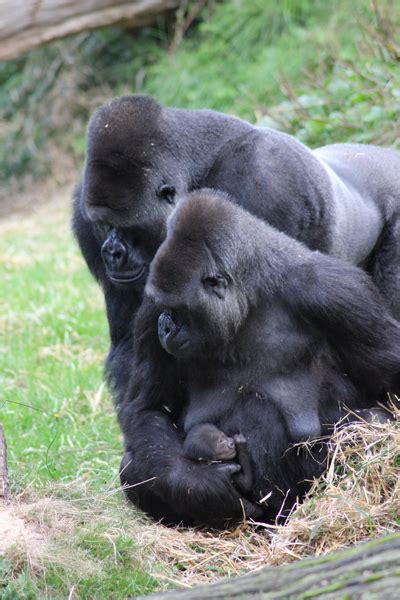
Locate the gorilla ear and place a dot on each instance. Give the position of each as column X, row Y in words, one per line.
column 167, row 193
column 216, row 284
column 342, row 301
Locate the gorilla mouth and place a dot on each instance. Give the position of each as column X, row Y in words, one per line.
column 128, row 277
column 168, row 333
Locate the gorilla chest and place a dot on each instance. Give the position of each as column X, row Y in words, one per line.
column 209, row 400
column 277, row 360
column 275, row 343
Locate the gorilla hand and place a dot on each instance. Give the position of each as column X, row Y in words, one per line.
column 188, row 492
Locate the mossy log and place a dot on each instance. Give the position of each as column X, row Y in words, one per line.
column 366, row 571
column 27, row 24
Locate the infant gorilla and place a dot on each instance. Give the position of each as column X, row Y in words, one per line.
column 206, row 442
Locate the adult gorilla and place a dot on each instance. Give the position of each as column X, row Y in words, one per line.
column 266, row 345
column 342, row 199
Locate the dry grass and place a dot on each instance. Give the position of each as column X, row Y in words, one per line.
column 357, row 498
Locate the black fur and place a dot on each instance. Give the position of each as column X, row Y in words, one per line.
column 268, row 340
column 141, row 158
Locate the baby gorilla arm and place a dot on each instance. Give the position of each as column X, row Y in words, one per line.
column 244, row 478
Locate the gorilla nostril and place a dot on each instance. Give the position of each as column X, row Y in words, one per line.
column 167, row 327
column 114, row 253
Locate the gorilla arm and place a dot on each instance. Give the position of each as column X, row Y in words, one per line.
column 175, row 488
column 343, row 302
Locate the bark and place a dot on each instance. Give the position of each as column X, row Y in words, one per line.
column 27, row 24
column 367, row 571
column 4, row 484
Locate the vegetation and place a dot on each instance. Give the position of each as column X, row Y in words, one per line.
column 324, row 72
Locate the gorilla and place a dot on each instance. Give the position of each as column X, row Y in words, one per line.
column 342, row 200
column 206, row 442
column 260, row 337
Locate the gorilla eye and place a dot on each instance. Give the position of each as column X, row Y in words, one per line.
column 216, row 284
column 167, row 192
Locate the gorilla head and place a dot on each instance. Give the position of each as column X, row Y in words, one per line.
column 201, row 276
column 207, row 442
column 130, row 182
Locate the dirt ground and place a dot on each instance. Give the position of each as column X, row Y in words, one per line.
column 17, row 532
column 27, row 196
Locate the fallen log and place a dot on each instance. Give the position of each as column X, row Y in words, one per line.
column 366, row 571
column 27, row 24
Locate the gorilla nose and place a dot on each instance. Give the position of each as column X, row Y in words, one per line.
column 114, row 253
column 167, row 329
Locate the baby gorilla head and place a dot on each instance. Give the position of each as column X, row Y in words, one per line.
column 207, row 442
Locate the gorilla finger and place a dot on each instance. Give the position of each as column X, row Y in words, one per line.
column 252, row 510
column 228, row 468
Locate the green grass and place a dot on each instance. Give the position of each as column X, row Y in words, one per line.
column 63, row 438
column 54, row 341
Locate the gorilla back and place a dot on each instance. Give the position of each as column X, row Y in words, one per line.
column 141, row 158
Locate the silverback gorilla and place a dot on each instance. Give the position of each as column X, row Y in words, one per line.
column 342, row 199
column 267, row 345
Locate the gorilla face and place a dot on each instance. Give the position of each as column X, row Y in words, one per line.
column 199, row 308
column 198, row 318
column 206, row 442
column 126, row 257
column 129, row 186
column 121, row 193
column 194, row 282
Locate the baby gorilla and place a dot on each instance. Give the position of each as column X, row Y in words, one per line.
column 254, row 317
column 207, row 442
